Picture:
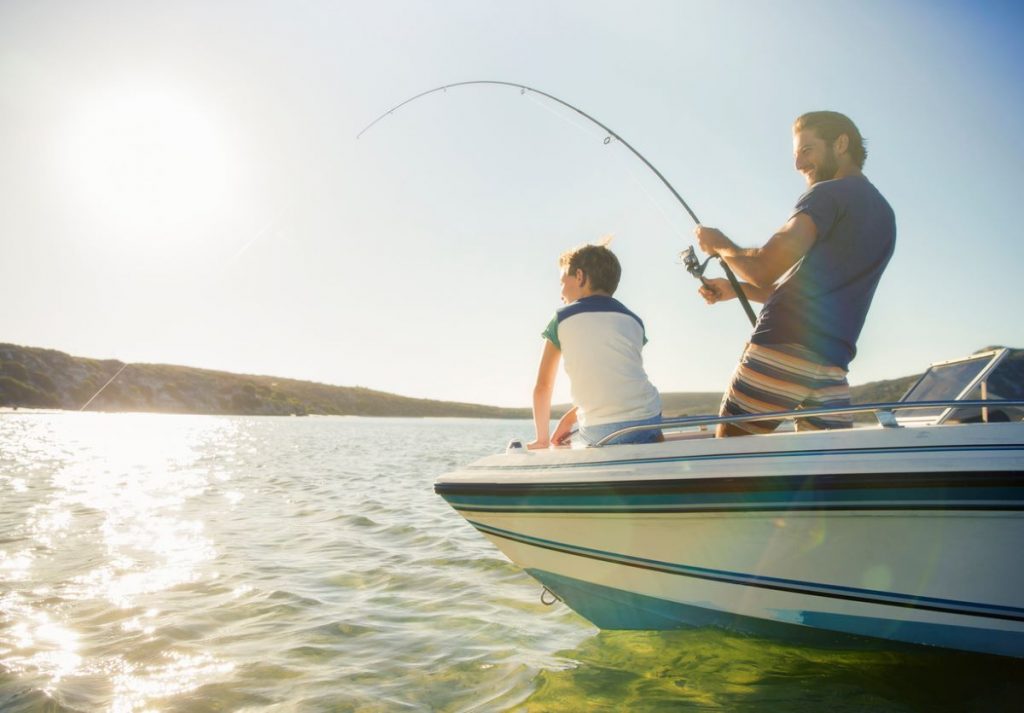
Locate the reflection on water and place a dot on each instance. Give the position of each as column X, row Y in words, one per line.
column 717, row 671
column 97, row 518
column 175, row 563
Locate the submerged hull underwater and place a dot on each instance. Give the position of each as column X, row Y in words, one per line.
column 904, row 534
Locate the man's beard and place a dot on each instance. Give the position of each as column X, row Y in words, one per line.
column 828, row 168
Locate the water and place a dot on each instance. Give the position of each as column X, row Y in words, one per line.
column 191, row 563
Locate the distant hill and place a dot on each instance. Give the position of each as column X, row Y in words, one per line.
column 1007, row 382
column 675, row 404
column 44, row 378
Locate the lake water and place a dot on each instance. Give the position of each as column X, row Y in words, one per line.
column 193, row 563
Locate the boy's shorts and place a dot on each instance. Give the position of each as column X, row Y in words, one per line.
column 785, row 377
column 592, row 434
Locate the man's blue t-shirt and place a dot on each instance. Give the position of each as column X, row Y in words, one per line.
column 822, row 301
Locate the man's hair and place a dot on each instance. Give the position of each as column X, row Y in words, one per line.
column 598, row 263
column 829, row 125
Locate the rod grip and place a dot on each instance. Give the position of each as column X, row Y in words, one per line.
column 739, row 292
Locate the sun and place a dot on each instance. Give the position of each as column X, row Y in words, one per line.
column 148, row 162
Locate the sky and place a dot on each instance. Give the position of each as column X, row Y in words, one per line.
column 181, row 183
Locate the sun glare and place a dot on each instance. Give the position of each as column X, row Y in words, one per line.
column 150, row 163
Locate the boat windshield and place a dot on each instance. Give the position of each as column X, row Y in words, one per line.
column 948, row 380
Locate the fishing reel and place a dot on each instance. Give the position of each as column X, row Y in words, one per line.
column 696, row 268
column 693, row 264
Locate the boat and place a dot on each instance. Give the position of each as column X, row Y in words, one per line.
column 907, row 529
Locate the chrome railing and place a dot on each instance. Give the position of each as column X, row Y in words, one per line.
column 884, row 413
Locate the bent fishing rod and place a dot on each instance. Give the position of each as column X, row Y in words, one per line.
column 611, row 134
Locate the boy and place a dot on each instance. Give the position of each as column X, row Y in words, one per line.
column 601, row 342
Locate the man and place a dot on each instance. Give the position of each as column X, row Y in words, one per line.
column 816, row 277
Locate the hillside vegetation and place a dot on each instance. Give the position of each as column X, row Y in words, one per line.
column 44, row 378
column 1007, row 382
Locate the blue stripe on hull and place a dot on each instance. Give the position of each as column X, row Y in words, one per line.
column 609, row 608
column 816, row 589
column 974, row 490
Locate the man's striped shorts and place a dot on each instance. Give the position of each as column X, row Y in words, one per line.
column 785, row 377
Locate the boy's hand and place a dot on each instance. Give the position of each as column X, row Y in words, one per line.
column 563, row 431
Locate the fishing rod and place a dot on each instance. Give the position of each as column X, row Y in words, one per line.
column 611, row 134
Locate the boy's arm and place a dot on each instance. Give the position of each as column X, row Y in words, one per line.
column 542, row 394
column 564, row 427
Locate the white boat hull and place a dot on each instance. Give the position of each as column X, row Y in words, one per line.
column 910, row 535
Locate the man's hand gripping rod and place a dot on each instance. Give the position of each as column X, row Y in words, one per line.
column 696, row 268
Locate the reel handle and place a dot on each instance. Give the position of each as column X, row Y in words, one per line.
column 696, row 268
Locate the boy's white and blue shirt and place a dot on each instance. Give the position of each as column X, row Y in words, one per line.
column 601, row 341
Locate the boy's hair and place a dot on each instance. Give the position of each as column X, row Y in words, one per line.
column 829, row 125
column 598, row 263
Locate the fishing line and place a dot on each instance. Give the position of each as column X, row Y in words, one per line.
column 523, row 89
column 257, row 236
column 662, row 211
column 238, row 253
column 607, row 140
column 109, row 382
column 585, row 128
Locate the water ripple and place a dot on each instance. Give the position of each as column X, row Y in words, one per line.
column 171, row 563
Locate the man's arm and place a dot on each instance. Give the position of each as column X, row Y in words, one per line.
column 719, row 289
column 763, row 266
column 546, row 373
